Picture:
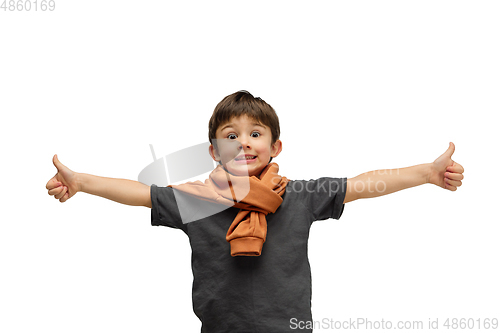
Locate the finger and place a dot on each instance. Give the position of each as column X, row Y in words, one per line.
column 65, row 197
column 451, row 182
column 454, row 176
column 456, row 168
column 52, row 183
column 62, row 193
column 56, row 190
column 450, row 187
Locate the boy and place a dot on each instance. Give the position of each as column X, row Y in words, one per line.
column 249, row 258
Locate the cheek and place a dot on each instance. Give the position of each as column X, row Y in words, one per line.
column 228, row 150
column 263, row 151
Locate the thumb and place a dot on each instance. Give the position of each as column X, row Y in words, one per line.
column 57, row 164
column 451, row 150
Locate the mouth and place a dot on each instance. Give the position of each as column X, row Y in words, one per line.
column 245, row 157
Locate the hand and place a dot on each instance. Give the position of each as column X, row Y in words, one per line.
column 64, row 184
column 445, row 172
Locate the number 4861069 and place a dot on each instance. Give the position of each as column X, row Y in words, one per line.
column 28, row 5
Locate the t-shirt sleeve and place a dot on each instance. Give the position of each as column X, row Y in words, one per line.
column 164, row 210
column 323, row 197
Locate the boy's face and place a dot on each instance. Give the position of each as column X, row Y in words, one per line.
column 244, row 146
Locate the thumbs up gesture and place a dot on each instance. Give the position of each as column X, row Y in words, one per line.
column 64, row 184
column 445, row 172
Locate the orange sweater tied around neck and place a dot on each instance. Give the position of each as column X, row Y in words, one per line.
column 255, row 196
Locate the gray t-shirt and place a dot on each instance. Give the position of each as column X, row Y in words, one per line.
column 254, row 294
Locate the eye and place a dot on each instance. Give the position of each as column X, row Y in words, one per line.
column 231, row 136
column 255, row 134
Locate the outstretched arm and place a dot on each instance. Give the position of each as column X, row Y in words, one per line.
column 66, row 183
column 125, row 191
column 443, row 172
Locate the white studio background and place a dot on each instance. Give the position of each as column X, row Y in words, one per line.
column 358, row 86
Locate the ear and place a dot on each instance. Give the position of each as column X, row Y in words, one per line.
column 276, row 148
column 213, row 152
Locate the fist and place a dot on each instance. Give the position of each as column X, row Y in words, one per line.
column 64, row 184
column 445, row 172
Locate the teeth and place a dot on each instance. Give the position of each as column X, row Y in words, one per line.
column 245, row 157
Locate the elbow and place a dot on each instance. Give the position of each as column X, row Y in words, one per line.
column 350, row 196
column 351, row 193
column 146, row 196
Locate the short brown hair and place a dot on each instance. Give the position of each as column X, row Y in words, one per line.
column 243, row 103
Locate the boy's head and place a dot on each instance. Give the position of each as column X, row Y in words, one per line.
column 244, row 134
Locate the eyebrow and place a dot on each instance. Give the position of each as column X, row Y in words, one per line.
column 231, row 125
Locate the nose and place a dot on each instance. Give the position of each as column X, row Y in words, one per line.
column 244, row 143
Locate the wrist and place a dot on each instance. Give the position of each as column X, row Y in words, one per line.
column 80, row 182
column 427, row 172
